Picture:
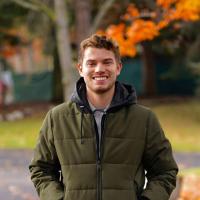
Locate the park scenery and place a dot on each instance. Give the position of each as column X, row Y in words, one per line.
column 159, row 43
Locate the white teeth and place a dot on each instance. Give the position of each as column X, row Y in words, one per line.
column 100, row 78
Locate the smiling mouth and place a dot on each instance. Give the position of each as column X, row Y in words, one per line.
column 101, row 78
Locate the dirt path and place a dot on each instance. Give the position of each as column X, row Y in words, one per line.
column 15, row 181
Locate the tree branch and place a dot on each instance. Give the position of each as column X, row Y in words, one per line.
column 46, row 9
column 36, row 6
column 103, row 10
column 25, row 4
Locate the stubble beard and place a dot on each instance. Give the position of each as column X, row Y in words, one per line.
column 101, row 90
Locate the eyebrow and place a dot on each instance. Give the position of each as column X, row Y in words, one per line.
column 94, row 60
column 108, row 59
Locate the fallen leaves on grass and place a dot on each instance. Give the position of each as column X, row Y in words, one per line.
column 190, row 189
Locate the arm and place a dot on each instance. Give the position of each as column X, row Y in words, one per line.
column 158, row 162
column 44, row 167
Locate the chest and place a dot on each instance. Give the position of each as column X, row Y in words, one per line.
column 122, row 139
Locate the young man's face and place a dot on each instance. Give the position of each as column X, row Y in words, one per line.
column 99, row 69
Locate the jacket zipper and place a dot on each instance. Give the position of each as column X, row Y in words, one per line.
column 99, row 150
column 97, row 155
column 101, row 153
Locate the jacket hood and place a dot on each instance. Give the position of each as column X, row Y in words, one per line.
column 124, row 95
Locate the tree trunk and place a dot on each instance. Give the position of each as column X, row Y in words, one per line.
column 83, row 19
column 57, row 77
column 64, row 48
column 149, row 70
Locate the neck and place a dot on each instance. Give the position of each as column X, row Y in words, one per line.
column 102, row 100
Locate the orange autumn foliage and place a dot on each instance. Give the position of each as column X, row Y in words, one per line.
column 116, row 32
column 166, row 3
column 190, row 188
column 8, row 51
column 141, row 30
column 188, row 10
column 132, row 12
column 141, row 25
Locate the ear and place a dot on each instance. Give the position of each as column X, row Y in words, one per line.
column 79, row 68
column 119, row 68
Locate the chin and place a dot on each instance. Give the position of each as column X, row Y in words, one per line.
column 101, row 90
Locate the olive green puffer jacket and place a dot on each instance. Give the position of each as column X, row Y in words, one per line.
column 67, row 165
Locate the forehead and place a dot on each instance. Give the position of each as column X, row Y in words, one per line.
column 92, row 53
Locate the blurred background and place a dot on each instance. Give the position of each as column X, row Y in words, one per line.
column 160, row 47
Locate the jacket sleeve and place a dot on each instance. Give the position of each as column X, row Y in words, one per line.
column 158, row 162
column 44, row 167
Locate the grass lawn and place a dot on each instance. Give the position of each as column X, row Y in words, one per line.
column 190, row 171
column 20, row 133
column 180, row 120
column 181, row 123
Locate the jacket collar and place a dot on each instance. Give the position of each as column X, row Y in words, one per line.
column 124, row 95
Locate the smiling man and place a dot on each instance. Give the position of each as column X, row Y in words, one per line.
column 102, row 144
column 99, row 67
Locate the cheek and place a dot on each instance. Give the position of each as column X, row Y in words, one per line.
column 85, row 72
column 116, row 72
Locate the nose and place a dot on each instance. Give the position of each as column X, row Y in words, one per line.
column 99, row 68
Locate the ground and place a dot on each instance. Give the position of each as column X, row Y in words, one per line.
column 21, row 110
column 15, row 181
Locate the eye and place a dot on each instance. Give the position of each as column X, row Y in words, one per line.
column 90, row 64
column 108, row 62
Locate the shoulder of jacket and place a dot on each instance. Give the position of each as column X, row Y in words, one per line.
column 66, row 108
column 143, row 112
column 141, row 109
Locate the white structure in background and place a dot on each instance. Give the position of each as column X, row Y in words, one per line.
column 6, row 79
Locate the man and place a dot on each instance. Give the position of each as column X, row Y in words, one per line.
column 102, row 141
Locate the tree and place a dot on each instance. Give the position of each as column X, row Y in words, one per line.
column 60, row 22
column 139, row 26
column 80, row 17
column 55, row 29
column 83, row 19
column 63, row 43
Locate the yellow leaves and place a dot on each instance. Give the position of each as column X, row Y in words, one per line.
column 186, row 15
column 189, row 4
column 146, row 24
column 188, row 10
